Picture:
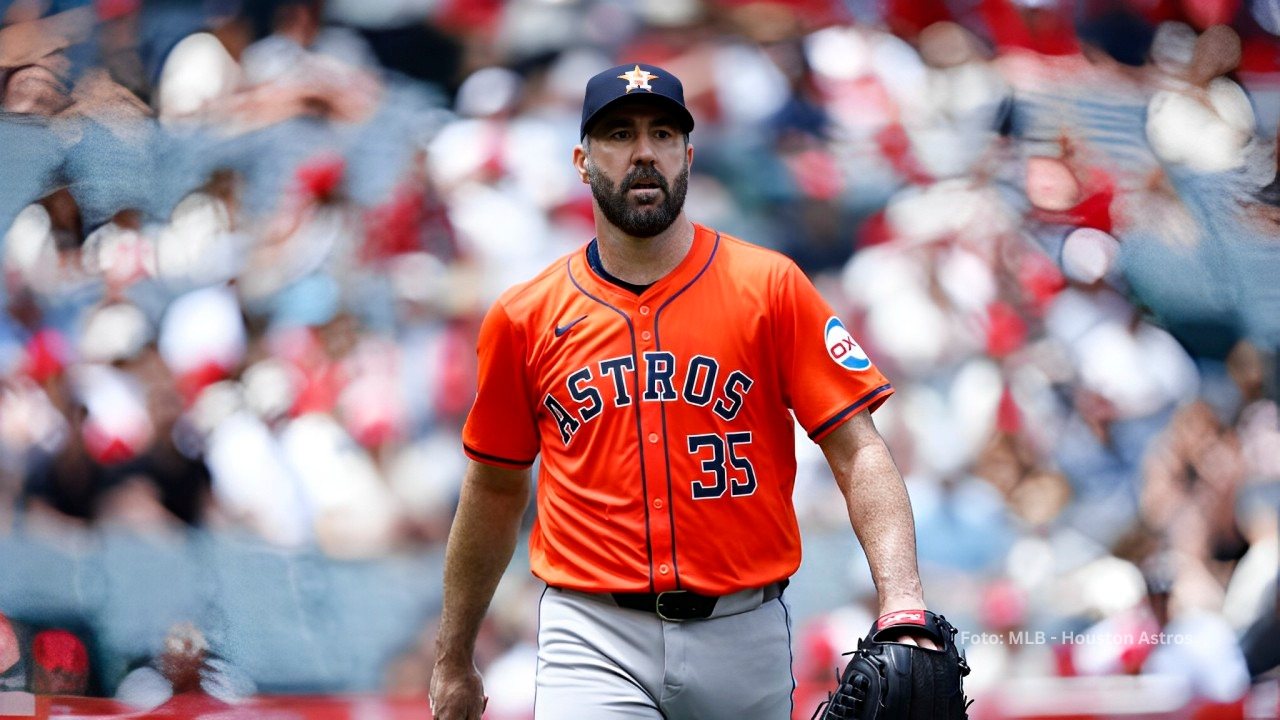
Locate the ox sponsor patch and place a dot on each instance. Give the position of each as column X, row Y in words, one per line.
column 842, row 348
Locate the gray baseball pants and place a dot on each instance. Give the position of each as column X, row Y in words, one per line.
column 603, row 662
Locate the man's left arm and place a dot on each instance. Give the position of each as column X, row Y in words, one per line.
column 908, row 664
column 879, row 510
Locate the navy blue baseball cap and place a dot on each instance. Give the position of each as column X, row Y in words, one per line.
column 634, row 80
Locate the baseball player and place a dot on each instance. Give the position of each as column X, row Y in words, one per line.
column 655, row 372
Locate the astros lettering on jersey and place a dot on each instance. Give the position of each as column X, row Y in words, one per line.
column 663, row 419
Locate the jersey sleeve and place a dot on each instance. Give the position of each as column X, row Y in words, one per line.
column 826, row 376
column 501, row 428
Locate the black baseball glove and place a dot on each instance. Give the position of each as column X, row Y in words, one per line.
column 896, row 681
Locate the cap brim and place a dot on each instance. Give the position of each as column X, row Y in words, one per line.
column 679, row 111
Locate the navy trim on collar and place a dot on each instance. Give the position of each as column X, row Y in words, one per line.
column 593, row 260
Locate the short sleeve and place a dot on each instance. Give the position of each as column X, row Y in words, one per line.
column 827, row 378
column 501, row 428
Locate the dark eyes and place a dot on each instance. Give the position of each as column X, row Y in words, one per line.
column 661, row 134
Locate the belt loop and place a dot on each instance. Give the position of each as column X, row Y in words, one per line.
column 775, row 590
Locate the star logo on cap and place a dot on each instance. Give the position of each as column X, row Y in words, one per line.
column 638, row 79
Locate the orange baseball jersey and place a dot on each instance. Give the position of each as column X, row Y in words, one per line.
column 663, row 419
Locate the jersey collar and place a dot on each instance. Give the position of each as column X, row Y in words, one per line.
column 693, row 263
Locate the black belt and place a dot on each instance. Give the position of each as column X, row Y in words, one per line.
column 685, row 604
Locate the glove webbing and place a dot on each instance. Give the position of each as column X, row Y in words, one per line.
column 856, row 691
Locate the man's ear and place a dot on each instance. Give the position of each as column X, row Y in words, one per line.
column 580, row 164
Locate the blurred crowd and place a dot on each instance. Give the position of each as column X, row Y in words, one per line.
column 246, row 247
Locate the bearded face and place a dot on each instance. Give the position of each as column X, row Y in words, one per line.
column 644, row 203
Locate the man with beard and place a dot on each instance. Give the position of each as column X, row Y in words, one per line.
column 655, row 371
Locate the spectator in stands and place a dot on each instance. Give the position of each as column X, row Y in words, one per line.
column 185, row 664
column 60, row 664
column 13, row 661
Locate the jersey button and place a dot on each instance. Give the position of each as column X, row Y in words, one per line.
column 657, row 503
column 646, row 335
column 653, row 437
column 644, row 309
column 663, row 569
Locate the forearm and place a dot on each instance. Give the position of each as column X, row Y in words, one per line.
column 880, row 512
column 481, row 543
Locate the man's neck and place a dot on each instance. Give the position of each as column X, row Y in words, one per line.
column 643, row 261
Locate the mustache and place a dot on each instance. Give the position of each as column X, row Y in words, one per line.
column 644, row 174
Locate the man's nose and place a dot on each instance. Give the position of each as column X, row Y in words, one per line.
column 643, row 153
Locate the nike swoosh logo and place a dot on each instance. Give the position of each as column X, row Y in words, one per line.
column 562, row 329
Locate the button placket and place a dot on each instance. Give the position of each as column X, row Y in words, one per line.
column 644, row 323
column 643, row 316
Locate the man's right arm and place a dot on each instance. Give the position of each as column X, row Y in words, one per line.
column 481, row 542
